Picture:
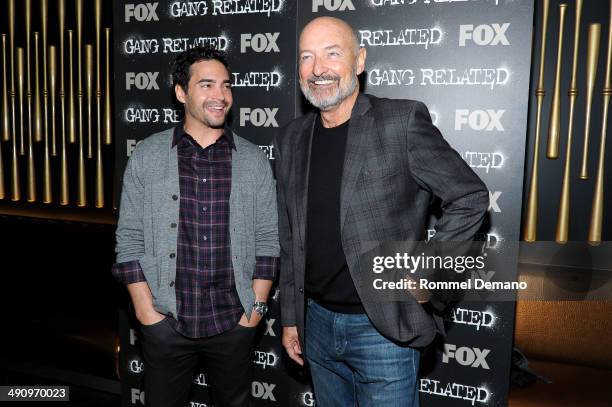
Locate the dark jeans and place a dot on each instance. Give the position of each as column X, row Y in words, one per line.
column 170, row 360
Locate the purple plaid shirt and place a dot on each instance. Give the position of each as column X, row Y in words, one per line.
column 207, row 301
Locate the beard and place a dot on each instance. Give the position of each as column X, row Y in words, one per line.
column 214, row 123
column 209, row 120
column 325, row 102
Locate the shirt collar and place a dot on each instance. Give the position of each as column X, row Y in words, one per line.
column 179, row 133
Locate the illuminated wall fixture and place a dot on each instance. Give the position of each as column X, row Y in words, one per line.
column 531, row 212
column 45, row 101
column 596, row 221
column 554, row 126
column 564, row 205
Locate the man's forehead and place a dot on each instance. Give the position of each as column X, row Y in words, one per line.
column 208, row 69
column 322, row 34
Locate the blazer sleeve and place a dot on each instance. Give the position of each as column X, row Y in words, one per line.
column 438, row 168
column 286, row 278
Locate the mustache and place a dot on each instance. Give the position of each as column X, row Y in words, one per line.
column 216, row 103
column 324, row 77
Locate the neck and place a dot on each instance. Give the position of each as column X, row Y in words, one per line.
column 340, row 113
column 201, row 133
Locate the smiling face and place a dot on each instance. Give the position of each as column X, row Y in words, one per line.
column 208, row 97
column 329, row 62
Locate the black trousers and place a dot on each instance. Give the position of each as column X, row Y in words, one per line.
column 170, row 360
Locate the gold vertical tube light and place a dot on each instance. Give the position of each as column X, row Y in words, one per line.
column 89, row 92
column 98, row 18
column 554, row 125
column 71, row 111
column 37, row 108
column 99, row 161
column 31, row 172
column 61, row 16
column 37, row 101
column 81, row 180
column 531, row 212
column 44, row 19
column 5, row 115
column 64, row 198
column 107, row 95
column 31, row 186
column 15, row 182
column 11, row 16
column 79, row 34
column 20, row 74
column 6, row 126
column 597, row 207
column 47, row 194
column 592, row 62
column 562, row 232
column 28, row 26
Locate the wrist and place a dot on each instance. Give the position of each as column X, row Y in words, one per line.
column 260, row 307
column 145, row 312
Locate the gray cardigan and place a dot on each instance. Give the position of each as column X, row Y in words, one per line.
column 150, row 201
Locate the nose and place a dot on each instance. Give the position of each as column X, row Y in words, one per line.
column 219, row 93
column 318, row 67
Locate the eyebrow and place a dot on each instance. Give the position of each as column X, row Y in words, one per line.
column 329, row 47
column 332, row 46
column 206, row 80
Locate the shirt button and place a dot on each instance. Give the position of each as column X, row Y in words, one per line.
column 204, row 180
column 301, row 290
column 204, row 237
column 175, row 197
column 171, row 283
column 205, row 209
column 172, row 255
column 173, row 225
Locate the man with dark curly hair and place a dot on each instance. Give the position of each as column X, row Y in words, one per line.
column 197, row 241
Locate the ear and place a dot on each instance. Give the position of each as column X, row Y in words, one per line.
column 361, row 58
column 180, row 93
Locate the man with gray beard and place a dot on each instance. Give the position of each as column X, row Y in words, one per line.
column 358, row 169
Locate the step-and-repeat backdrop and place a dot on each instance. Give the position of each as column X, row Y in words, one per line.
column 468, row 60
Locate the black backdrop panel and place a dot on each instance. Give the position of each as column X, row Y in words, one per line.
column 468, row 61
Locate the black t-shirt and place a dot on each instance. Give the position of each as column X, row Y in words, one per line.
column 327, row 276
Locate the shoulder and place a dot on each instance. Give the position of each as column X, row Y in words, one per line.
column 249, row 150
column 155, row 143
column 395, row 107
column 287, row 134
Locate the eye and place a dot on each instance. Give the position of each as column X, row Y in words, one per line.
column 305, row 57
column 333, row 53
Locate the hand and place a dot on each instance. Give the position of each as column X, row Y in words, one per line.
column 251, row 322
column 421, row 295
column 291, row 343
column 150, row 317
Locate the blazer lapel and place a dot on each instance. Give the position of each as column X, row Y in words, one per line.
column 301, row 155
column 361, row 127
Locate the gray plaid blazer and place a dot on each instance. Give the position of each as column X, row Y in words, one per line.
column 396, row 161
